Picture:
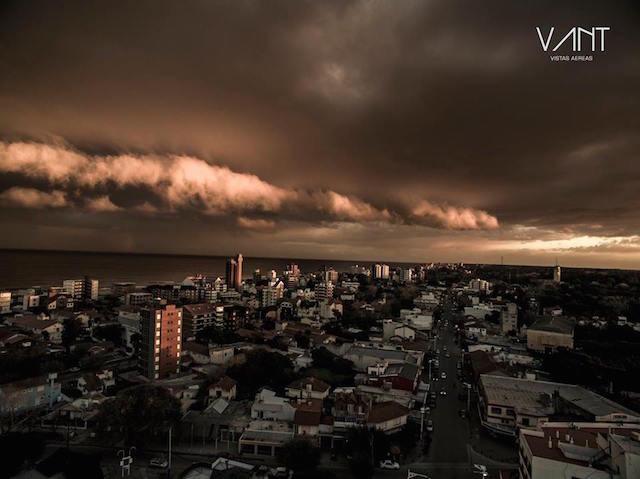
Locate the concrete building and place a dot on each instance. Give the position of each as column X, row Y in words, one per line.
column 161, row 341
column 323, row 291
column 551, row 333
column 129, row 319
column 406, row 275
column 29, row 394
column 308, row 388
column 5, row 302
column 121, row 288
column 81, row 289
column 269, row 406
column 330, row 275
column 557, row 274
column 198, row 317
column 509, row 317
column 271, row 294
column 137, row 299
column 560, row 450
column 234, row 272
column 479, row 285
column 508, row 404
column 380, row 271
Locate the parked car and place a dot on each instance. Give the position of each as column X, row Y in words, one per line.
column 389, row 464
column 443, row 392
column 443, row 375
column 159, row 462
column 462, row 413
column 429, row 425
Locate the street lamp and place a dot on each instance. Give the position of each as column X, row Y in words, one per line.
column 126, row 461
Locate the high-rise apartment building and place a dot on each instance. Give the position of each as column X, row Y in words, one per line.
column 509, row 317
column 557, row 274
column 234, row 272
column 161, row 329
column 324, row 291
column 5, row 302
column 83, row 288
column 198, row 317
column 380, row 271
column 330, row 274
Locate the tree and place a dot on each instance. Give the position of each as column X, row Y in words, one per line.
column 213, row 334
column 302, row 340
column 262, row 368
column 138, row 413
column 110, row 332
column 300, row 456
column 17, row 449
column 366, row 447
column 71, row 331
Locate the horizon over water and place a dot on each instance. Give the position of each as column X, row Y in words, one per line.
column 26, row 268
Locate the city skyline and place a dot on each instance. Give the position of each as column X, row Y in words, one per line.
column 365, row 131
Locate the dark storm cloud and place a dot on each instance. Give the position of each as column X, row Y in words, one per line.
column 440, row 107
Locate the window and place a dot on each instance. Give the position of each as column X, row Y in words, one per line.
column 496, row 410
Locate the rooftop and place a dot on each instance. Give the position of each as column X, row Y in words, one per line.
column 554, row 324
column 525, row 395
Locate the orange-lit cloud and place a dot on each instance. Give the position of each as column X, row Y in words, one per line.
column 451, row 217
column 181, row 181
column 33, row 198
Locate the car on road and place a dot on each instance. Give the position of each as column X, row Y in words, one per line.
column 429, row 425
column 443, row 375
column 389, row 464
column 443, row 392
column 158, row 462
column 462, row 413
column 447, row 355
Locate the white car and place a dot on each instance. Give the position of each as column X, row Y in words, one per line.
column 443, row 375
column 158, row 462
column 429, row 425
column 389, row 464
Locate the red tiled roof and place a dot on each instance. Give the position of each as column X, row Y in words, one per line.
column 303, row 417
column 385, row 411
column 316, row 384
column 225, row 383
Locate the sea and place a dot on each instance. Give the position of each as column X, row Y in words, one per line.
column 27, row 268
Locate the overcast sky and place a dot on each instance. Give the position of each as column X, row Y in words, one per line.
column 431, row 130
